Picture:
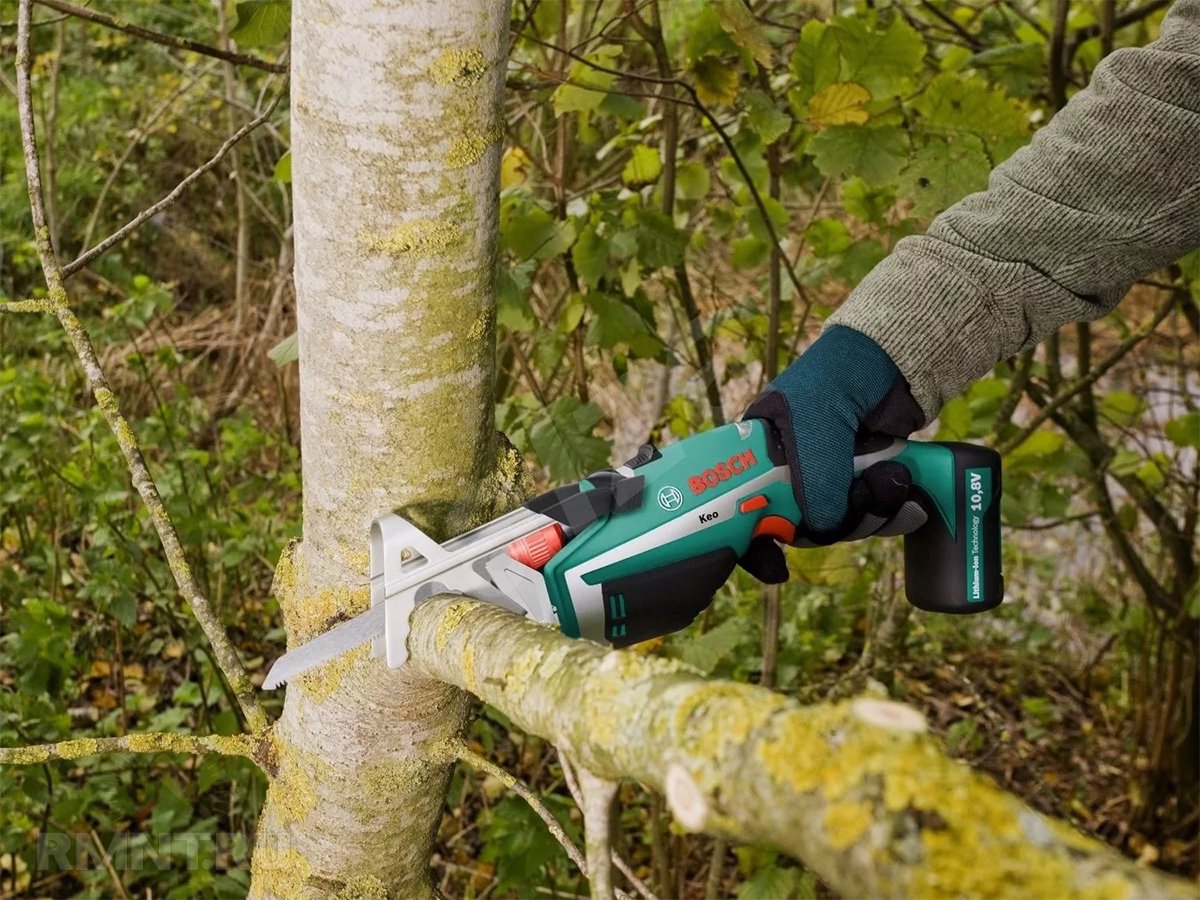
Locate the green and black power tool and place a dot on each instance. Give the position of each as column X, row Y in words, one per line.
column 637, row 551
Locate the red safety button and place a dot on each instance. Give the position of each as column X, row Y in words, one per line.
column 534, row 550
column 753, row 503
column 776, row 527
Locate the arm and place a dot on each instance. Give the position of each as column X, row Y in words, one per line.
column 1106, row 193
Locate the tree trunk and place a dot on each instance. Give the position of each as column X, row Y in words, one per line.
column 396, row 120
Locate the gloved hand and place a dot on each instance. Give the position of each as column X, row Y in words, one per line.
column 839, row 391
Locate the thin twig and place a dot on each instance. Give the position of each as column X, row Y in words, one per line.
column 148, row 742
column 459, row 750
column 145, row 215
column 721, row 133
column 223, row 650
column 1128, row 18
column 1053, row 404
column 118, row 885
column 133, row 143
column 158, row 37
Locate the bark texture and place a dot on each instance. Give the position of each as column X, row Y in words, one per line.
column 395, row 121
column 857, row 791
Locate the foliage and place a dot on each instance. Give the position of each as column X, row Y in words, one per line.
column 647, row 176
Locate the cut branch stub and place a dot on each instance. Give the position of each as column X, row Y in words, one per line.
column 858, row 791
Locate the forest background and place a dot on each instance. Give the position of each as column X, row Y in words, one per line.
column 689, row 189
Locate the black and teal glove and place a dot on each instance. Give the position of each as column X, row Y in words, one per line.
column 838, row 393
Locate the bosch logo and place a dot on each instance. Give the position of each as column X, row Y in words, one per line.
column 670, row 498
column 722, row 471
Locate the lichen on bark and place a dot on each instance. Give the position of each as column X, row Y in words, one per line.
column 858, row 790
column 395, row 268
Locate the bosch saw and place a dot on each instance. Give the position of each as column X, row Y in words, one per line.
column 638, row 551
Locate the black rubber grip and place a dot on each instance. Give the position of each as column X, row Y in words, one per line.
column 665, row 599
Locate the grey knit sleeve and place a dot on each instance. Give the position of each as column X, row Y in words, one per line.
column 1106, row 193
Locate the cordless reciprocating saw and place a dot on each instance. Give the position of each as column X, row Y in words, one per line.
column 638, row 551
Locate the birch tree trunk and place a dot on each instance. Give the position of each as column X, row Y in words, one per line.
column 396, row 121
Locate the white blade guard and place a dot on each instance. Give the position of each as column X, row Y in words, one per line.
column 408, row 566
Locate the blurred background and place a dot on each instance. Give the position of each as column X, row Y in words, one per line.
column 689, row 188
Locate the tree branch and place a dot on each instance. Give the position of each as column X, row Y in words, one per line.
column 721, row 133
column 459, row 750
column 150, row 742
column 29, row 306
column 57, row 302
column 598, row 796
column 1053, row 404
column 856, row 790
column 145, row 215
column 158, row 37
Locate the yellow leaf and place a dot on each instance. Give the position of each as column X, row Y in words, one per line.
column 514, row 167
column 715, row 81
column 100, row 669
column 839, row 104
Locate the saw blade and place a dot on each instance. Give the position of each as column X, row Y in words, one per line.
column 327, row 646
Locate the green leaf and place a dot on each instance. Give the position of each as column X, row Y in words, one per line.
column 739, row 23
column 765, row 118
column 532, row 233
column 866, row 203
column 513, row 310
column 519, row 843
column 956, row 105
column 563, row 439
column 706, row 651
column 578, row 95
column 875, row 155
column 283, row 168
column 1039, row 444
column 691, row 181
column 757, row 225
column 617, row 324
column 858, row 259
column 1184, row 431
column 261, row 23
column 774, row 883
column 748, row 252
column 659, row 242
column 883, row 60
column 827, row 237
column 954, row 420
column 1152, row 473
column 1121, row 408
column 943, row 173
column 644, row 166
column 286, row 351
column 816, row 61
column 590, row 255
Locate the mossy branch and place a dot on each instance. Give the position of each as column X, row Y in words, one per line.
column 57, row 303
column 29, row 306
column 150, row 742
column 858, row 791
